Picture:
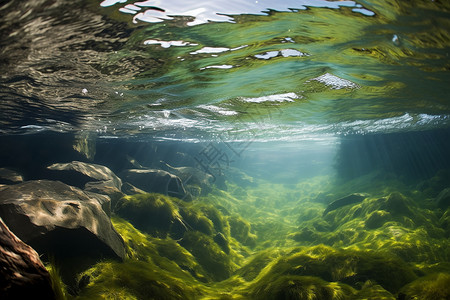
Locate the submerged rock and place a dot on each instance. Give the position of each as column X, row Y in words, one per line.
column 93, row 171
column 377, row 218
column 350, row 267
column 91, row 177
column 61, row 221
column 435, row 286
column 8, row 176
column 153, row 213
column 349, row 199
column 192, row 176
column 23, row 276
column 156, row 181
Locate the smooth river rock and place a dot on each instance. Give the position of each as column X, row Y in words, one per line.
column 90, row 177
column 61, row 221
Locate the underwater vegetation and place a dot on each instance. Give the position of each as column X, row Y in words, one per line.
column 388, row 245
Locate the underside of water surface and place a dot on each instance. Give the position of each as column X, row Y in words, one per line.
column 234, row 149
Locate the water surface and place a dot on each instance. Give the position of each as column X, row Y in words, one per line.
column 231, row 70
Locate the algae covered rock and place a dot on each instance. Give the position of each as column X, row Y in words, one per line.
column 344, row 201
column 371, row 291
column 431, row 287
column 23, row 276
column 346, row 266
column 240, row 229
column 209, row 254
column 61, row 221
column 136, row 280
column 153, row 213
column 295, row 287
column 398, row 204
column 377, row 219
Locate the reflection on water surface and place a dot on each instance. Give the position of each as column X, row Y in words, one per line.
column 107, row 67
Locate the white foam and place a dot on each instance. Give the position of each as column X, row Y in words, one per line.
column 336, row 82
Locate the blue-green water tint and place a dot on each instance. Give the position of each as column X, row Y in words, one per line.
column 283, row 106
column 199, row 70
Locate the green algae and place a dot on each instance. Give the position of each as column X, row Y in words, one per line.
column 240, row 229
column 58, row 286
column 210, row 256
column 152, row 213
column 226, row 246
column 299, row 287
column 434, row 286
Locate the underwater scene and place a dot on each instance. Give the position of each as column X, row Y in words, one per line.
column 237, row 149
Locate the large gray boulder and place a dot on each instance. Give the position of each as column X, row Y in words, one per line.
column 156, row 181
column 61, row 221
column 90, row 177
column 22, row 274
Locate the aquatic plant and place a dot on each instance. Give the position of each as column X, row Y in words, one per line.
column 371, row 291
column 294, row 287
column 255, row 264
column 241, row 230
column 346, row 266
column 58, row 286
column 137, row 280
column 143, row 247
column 210, row 256
column 431, row 287
column 153, row 213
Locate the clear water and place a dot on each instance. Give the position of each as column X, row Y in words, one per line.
column 289, row 105
column 198, row 70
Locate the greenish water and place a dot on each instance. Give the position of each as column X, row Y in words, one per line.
column 199, row 70
column 276, row 110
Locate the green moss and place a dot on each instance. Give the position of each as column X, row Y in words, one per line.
column 305, row 234
column 136, row 280
column 377, row 219
column 212, row 213
column 59, row 288
column 198, row 250
column 372, row 291
column 346, row 266
column 241, row 231
column 294, row 287
column 165, row 252
column 197, row 221
column 434, row 286
column 211, row 257
column 152, row 213
column 256, row 263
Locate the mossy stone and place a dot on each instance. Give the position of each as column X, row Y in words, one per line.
column 396, row 203
column 292, row 287
column 209, row 255
column 241, row 231
column 152, row 213
column 376, row 219
column 432, row 287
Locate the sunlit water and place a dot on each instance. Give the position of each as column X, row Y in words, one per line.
column 278, row 108
column 230, row 70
